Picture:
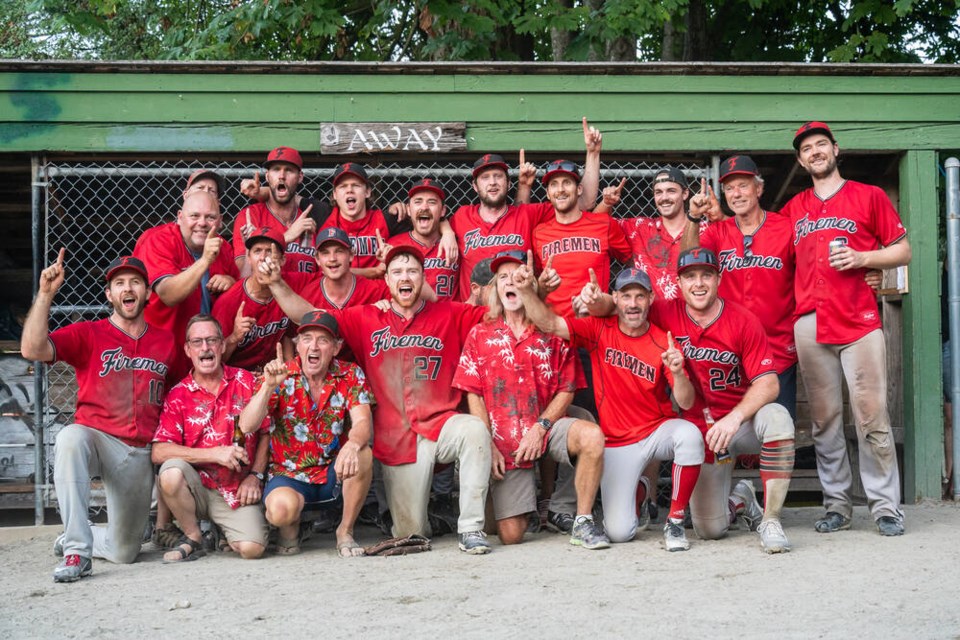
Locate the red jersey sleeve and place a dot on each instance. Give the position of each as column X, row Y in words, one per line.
column 619, row 246
column 584, row 332
column 468, row 317
column 71, row 344
column 539, row 212
column 889, row 227
column 157, row 255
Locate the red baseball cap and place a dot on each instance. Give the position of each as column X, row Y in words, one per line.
column 126, row 263
column 810, row 128
column 266, row 233
column 426, row 184
column 401, row 249
column 561, row 167
column 200, row 174
column 285, row 154
column 350, row 169
column 319, row 319
column 738, row 166
column 515, row 256
column 488, row 160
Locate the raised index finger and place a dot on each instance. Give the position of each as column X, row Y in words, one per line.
column 280, row 352
column 530, row 260
column 256, row 178
column 670, row 341
column 212, row 233
column 240, row 310
column 63, row 252
column 593, row 277
column 522, row 158
column 586, row 126
column 623, row 181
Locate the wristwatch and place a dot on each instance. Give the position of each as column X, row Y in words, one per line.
column 259, row 476
column 546, row 424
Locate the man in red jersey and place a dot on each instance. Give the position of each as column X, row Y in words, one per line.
column 634, row 363
column 367, row 227
column 410, row 352
column 281, row 211
column 122, row 367
column 204, row 473
column 251, row 319
column 838, row 330
column 483, row 230
column 425, row 209
column 520, row 382
column 732, row 368
column 755, row 249
column 189, row 266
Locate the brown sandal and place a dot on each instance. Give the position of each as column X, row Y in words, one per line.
column 193, row 552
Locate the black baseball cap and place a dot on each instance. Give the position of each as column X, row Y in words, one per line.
column 488, row 160
column 319, row 319
column 350, row 169
column 482, row 274
column 670, row 173
column 810, row 128
column 515, row 256
column 126, row 262
column 333, row 234
column 631, row 276
column 697, row 257
column 561, row 167
column 738, row 166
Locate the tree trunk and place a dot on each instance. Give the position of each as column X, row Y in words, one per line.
column 695, row 39
column 560, row 38
column 623, row 49
column 668, row 47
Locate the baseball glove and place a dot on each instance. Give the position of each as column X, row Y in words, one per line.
column 399, row 546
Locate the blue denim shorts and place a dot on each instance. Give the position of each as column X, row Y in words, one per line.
column 326, row 493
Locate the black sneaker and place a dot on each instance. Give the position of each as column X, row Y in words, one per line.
column 559, row 522
column 889, row 526
column 832, row 522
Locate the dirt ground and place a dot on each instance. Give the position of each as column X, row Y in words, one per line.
column 852, row 584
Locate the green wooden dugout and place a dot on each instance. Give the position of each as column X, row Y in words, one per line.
column 895, row 124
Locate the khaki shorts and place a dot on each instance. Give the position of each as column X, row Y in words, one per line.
column 516, row 494
column 243, row 524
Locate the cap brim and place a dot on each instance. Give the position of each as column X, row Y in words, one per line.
column 341, row 176
column 550, row 175
column 809, row 132
column 484, row 167
column 112, row 272
column 252, row 240
column 436, row 190
column 497, row 262
column 738, row 172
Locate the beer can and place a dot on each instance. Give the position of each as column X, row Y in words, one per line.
column 837, row 244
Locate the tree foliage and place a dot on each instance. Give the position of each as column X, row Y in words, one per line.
column 503, row 30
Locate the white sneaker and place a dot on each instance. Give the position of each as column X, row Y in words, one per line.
column 752, row 511
column 674, row 537
column 772, row 537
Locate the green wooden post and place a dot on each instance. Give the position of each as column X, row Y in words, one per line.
column 922, row 382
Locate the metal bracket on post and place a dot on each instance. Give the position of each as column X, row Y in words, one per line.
column 953, row 282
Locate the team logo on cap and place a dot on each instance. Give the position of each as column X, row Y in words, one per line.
column 732, row 163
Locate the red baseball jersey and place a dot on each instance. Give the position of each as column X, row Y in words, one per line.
column 589, row 242
column 629, row 378
column 363, row 234
column 479, row 239
column 121, row 379
column 723, row 358
column 259, row 346
column 436, row 272
column 410, row 365
column 762, row 282
column 301, row 255
column 165, row 254
column 655, row 251
column 860, row 215
column 516, row 377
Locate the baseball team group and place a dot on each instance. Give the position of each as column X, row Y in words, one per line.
column 368, row 362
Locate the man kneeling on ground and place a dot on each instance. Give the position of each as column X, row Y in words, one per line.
column 520, row 382
column 205, row 471
column 321, row 412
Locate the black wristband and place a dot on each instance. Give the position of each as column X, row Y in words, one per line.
column 694, row 220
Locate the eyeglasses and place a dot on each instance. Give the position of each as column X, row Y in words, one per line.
column 747, row 243
column 199, row 342
column 563, row 165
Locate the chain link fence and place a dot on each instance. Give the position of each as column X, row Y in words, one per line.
column 98, row 210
